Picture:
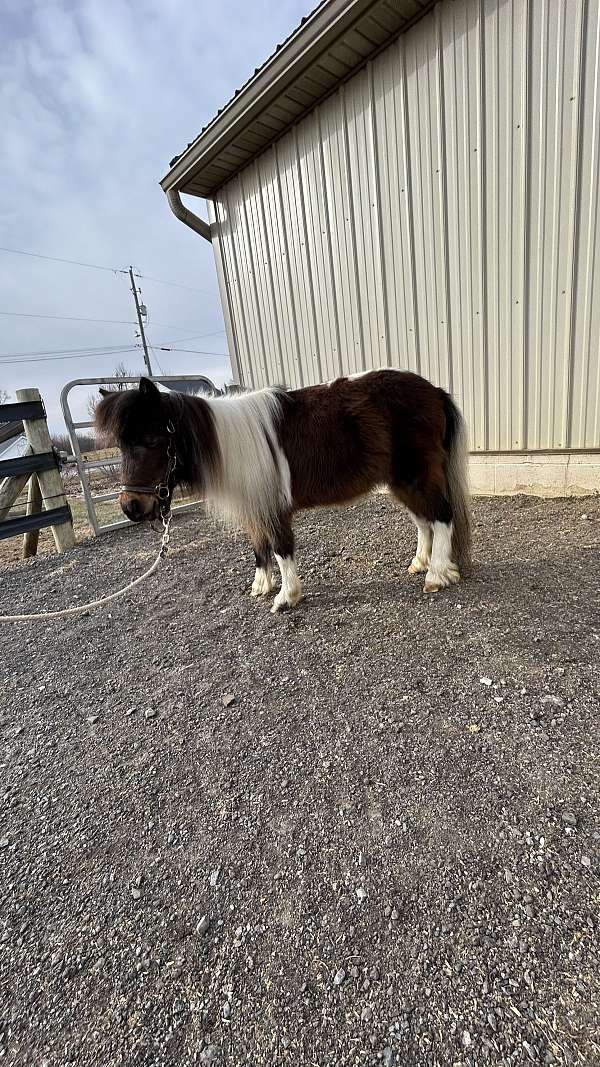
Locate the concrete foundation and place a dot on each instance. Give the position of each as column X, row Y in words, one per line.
column 536, row 473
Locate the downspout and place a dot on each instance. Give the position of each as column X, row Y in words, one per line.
column 203, row 228
column 185, row 215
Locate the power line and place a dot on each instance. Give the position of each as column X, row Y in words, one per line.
column 98, row 266
column 95, row 348
column 153, row 349
column 56, row 259
column 78, row 318
column 176, row 285
column 108, row 352
column 62, row 351
column 74, row 318
column 70, row 355
column 193, row 351
column 194, row 337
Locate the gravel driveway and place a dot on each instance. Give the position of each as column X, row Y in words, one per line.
column 359, row 833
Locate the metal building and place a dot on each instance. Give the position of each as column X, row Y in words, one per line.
column 416, row 185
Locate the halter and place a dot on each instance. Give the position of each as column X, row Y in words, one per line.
column 161, row 491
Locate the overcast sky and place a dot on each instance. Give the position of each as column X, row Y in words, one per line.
column 96, row 96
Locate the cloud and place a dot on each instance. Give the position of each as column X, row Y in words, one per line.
column 95, row 97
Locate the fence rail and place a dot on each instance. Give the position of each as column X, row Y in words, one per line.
column 23, row 523
column 28, row 464
column 46, row 504
column 26, row 409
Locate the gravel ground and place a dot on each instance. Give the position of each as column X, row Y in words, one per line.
column 358, row 833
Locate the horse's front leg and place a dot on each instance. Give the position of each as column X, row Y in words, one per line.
column 283, row 545
column 263, row 575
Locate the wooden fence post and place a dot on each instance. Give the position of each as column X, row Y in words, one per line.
column 50, row 481
column 34, row 504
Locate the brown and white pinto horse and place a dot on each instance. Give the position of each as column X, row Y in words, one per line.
column 258, row 458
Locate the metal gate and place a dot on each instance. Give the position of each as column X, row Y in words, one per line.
column 84, row 466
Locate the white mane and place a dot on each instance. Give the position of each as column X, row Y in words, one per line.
column 254, row 486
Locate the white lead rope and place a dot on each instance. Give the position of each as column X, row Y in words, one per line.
column 164, row 548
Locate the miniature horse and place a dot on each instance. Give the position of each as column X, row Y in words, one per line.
column 258, row 458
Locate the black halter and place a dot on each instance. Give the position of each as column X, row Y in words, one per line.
column 163, row 490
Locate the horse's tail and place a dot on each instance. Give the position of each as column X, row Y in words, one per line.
column 457, row 476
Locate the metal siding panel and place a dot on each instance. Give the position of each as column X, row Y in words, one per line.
column 395, row 218
column 248, row 290
column 462, row 79
column 555, row 46
column 301, row 269
column 341, row 234
column 585, row 379
column 439, row 212
column 361, row 157
column 309, row 161
column 427, row 154
column 505, row 28
column 267, row 315
column 224, row 289
column 491, row 120
column 236, row 306
column 376, row 197
column 283, row 302
column 569, row 195
column 355, row 148
column 512, row 355
column 416, row 206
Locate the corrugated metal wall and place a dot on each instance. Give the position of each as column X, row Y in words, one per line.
column 438, row 213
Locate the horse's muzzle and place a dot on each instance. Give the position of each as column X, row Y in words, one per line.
column 137, row 509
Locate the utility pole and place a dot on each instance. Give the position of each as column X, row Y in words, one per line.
column 141, row 324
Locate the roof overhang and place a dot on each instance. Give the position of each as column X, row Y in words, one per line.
column 327, row 48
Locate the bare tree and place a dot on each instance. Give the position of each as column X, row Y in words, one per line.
column 62, row 443
column 120, row 371
column 4, row 396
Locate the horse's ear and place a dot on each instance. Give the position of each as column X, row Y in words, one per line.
column 104, row 392
column 148, row 388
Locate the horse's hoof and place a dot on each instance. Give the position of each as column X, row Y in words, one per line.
column 417, row 566
column 283, row 601
column 436, row 580
column 432, row 586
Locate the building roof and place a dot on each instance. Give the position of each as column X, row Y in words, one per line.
column 329, row 45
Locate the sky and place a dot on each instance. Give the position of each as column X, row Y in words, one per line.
column 96, row 96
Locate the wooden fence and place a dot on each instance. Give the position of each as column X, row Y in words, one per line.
column 46, row 500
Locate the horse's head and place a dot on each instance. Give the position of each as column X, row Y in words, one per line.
column 139, row 421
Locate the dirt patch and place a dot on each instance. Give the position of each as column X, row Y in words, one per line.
column 383, row 850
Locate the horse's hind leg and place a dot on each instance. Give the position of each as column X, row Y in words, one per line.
column 263, row 576
column 442, row 570
column 415, row 505
column 422, row 556
column 431, row 511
